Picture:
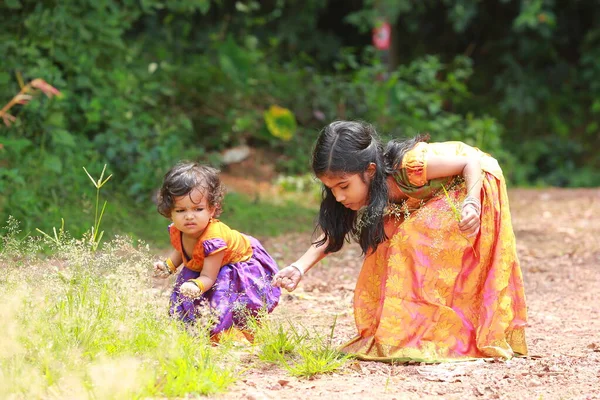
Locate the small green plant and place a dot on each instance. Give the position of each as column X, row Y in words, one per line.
column 96, row 234
column 273, row 341
column 11, row 243
column 316, row 356
column 279, row 345
column 294, row 349
column 456, row 212
column 320, row 360
column 58, row 235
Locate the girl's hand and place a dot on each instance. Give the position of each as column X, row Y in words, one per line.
column 288, row 278
column 190, row 289
column 161, row 270
column 470, row 221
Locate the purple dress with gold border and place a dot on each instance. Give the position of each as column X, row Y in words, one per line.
column 243, row 285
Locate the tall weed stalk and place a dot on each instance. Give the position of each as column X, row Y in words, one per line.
column 96, row 233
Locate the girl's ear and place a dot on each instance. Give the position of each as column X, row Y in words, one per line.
column 371, row 170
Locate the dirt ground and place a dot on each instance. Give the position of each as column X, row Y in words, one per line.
column 558, row 240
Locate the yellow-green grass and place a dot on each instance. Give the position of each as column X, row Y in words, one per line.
column 85, row 322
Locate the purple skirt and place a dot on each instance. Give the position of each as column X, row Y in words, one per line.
column 241, row 289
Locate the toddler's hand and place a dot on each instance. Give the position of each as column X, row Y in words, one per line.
column 190, row 289
column 161, row 270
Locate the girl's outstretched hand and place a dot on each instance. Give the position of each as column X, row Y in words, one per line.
column 161, row 269
column 288, row 278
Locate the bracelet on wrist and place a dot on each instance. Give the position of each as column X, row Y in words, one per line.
column 472, row 201
column 198, row 283
column 165, row 267
column 169, row 263
column 299, row 269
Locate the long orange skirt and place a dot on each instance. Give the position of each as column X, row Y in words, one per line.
column 430, row 294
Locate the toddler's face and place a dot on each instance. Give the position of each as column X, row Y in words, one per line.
column 191, row 213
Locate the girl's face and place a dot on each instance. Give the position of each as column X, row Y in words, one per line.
column 191, row 213
column 352, row 190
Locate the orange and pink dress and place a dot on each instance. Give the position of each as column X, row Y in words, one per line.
column 429, row 293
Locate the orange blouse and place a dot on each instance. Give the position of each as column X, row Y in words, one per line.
column 411, row 176
column 216, row 237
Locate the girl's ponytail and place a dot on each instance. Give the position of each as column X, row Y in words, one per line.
column 395, row 150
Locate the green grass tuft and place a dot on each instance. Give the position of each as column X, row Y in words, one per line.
column 296, row 350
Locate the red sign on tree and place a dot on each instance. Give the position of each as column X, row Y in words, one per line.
column 382, row 34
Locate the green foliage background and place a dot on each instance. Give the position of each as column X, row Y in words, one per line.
column 147, row 83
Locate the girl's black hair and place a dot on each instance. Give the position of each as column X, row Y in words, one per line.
column 184, row 177
column 395, row 150
column 349, row 147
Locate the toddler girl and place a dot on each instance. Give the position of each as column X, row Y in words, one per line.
column 229, row 271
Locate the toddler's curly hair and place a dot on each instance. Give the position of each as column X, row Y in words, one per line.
column 186, row 176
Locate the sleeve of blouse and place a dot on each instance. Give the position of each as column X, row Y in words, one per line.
column 414, row 163
column 175, row 237
column 214, row 245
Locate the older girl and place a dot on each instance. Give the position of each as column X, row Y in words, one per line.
column 441, row 278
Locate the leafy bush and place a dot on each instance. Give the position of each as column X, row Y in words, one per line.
column 149, row 83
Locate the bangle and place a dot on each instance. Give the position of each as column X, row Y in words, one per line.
column 165, row 268
column 470, row 200
column 170, row 265
column 198, row 283
column 298, row 268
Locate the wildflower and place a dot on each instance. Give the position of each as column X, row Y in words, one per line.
column 48, row 89
column 23, row 98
